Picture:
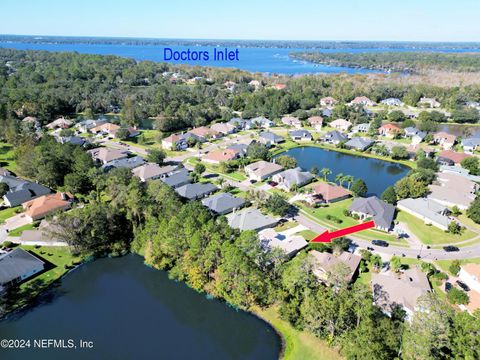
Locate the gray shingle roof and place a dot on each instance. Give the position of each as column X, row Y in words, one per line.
column 223, row 203
column 295, row 177
column 25, row 192
column 381, row 212
column 17, row 263
column 196, row 191
column 426, row 208
column 334, row 136
column 129, row 163
column 270, row 136
column 300, row 133
column 359, row 143
column 178, row 178
column 250, row 219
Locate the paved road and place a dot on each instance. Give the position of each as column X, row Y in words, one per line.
column 467, row 252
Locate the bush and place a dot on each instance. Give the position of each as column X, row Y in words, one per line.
column 454, row 267
column 456, row 296
column 334, row 219
column 7, row 244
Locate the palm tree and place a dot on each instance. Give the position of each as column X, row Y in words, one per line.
column 325, row 172
column 339, row 178
column 349, row 179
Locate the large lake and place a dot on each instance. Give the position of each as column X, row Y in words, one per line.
column 377, row 174
column 255, row 59
column 131, row 311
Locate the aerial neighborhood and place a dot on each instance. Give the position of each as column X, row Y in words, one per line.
column 235, row 168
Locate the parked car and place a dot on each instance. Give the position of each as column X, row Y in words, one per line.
column 381, row 243
column 462, row 285
column 272, row 183
column 450, row 248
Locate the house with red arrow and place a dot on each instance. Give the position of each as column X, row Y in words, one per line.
column 326, row 263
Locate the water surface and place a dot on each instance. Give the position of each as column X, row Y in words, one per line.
column 131, row 311
column 377, row 174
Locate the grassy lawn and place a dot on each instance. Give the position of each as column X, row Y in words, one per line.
column 285, row 226
column 445, row 264
column 431, row 235
column 8, row 213
column 336, row 209
column 18, row 231
column 308, row 234
column 6, row 156
column 55, row 258
column 298, row 344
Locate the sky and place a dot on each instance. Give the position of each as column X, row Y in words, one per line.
column 409, row 20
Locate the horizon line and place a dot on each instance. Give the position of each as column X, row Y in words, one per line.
column 233, row 39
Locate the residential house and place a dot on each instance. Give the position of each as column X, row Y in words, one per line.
column 430, row 102
column 129, row 163
column 11, row 181
column 16, row 266
column 403, row 290
column 60, row 123
column 316, row 122
column 73, row 140
column 326, row 193
column 218, row 156
column 151, row 171
column 359, row 143
column 292, row 121
column 416, row 135
column 250, row 219
column 325, row 264
column 42, row 235
column 360, row 128
column 444, row 139
column 269, row 138
column 47, row 204
column 105, row 155
column 241, row 124
column 372, row 207
column 177, row 178
column 413, row 149
column 470, row 275
column 25, row 191
column 205, row 133
column 196, row 191
column 470, row 144
column 458, row 170
column 175, row 142
column 289, row 244
column 279, row 86
column 427, row 210
column 327, row 101
column 392, row 102
column 241, row 149
column 451, row 189
column 105, row 129
column 327, row 113
column 334, row 137
column 223, row 203
column 290, row 178
column 262, row 170
column 410, row 131
column 362, row 100
column 262, row 122
column 85, row 125
column 223, row 128
column 341, row 124
column 300, row 135
column 255, row 84
column 473, row 104
column 389, row 130
column 450, row 157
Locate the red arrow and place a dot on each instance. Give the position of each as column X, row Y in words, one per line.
column 327, row 236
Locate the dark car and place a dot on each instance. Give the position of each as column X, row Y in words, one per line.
column 253, row 181
column 282, row 221
column 450, row 248
column 448, row 286
column 381, row 243
column 272, row 183
column 463, row 285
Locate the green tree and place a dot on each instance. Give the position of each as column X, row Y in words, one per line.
column 276, row 205
column 396, row 116
column 122, row 134
column 396, row 263
column 156, row 156
column 458, row 297
column 359, row 188
column 199, row 168
column 399, row 152
column 471, row 164
column 257, row 151
column 325, row 172
column 286, row 161
column 3, row 188
column 454, row 267
column 389, row 195
column 473, row 212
